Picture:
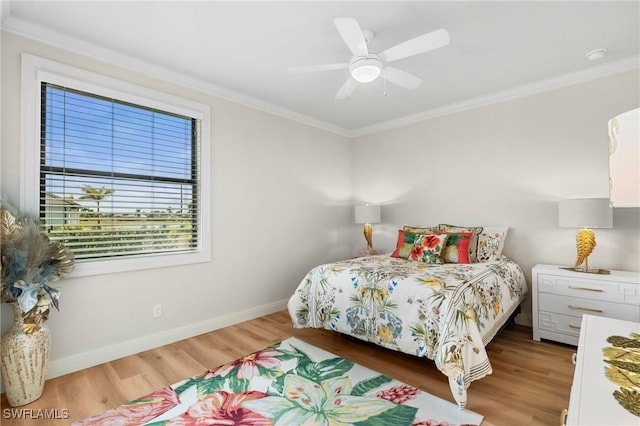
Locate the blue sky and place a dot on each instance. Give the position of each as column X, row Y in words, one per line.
column 90, row 133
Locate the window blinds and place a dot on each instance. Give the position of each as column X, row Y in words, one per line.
column 117, row 179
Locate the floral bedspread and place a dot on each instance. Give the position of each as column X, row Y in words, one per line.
column 445, row 312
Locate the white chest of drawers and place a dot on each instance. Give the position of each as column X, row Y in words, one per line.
column 561, row 297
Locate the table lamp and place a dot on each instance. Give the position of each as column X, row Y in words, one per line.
column 367, row 214
column 585, row 213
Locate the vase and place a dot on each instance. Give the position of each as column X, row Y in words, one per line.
column 25, row 359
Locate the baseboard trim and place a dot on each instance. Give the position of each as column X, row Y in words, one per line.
column 71, row 364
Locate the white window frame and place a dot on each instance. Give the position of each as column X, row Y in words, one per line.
column 36, row 70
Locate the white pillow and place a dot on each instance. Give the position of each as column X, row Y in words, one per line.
column 490, row 243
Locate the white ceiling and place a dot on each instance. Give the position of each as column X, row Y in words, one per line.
column 241, row 50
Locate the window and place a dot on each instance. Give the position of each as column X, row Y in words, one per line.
column 120, row 180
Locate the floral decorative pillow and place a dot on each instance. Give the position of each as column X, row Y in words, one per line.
column 490, row 244
column 421, row 247
column 473, row 242
column 427, row 248
column 456, row 248
column 404, row 245
column 421, row 230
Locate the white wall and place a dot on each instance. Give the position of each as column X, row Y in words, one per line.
column 282, row 195
column 507, row 164
column 281, row 199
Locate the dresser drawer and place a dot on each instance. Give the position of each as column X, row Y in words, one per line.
column 589, row 289
column 576, row 307
column 559, row 323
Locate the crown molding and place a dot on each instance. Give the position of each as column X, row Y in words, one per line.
column 30, row 30
column 600, row 71
column 37, row 32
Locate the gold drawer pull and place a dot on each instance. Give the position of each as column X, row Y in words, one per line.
column 582, row 308
column 574, row 326
column 599, row 290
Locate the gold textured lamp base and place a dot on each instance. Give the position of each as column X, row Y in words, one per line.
column 585, row 243
column 368, row 234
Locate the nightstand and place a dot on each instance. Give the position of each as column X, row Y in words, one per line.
column 367, row 252
column 560, row 298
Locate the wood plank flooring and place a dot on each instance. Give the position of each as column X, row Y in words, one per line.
column 530, row 383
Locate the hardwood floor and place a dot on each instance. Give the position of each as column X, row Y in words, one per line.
column 530, row 383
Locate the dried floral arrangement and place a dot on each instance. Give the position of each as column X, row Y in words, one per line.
column 30, row 261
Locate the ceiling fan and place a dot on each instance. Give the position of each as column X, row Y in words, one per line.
column 366, row 66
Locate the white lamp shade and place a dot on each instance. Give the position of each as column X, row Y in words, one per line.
column 367, row 214
column 585, row 213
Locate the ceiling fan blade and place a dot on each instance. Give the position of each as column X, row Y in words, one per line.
column 415, row 46
column 313, row 68
column 351, row 33
column 401, row 78
column 347, row 89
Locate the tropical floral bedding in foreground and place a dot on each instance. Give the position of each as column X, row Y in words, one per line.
column 288, row 384
column 445, row 312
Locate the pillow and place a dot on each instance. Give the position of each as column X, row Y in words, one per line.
column 428, row 247
column 491, row 243
column 422, row 247
column 421, row 230
column 456, row 250
column 404, row 244
column 473, row 242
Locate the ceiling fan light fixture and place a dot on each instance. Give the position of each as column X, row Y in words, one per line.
column 365, row 70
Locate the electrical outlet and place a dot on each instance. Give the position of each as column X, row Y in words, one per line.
column 157, row 311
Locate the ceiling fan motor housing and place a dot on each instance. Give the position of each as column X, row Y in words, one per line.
column 366, row 69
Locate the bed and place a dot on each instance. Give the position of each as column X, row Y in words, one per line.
column 446, row 312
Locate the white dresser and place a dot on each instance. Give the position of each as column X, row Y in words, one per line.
column 592, row 401
column 560, row 298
